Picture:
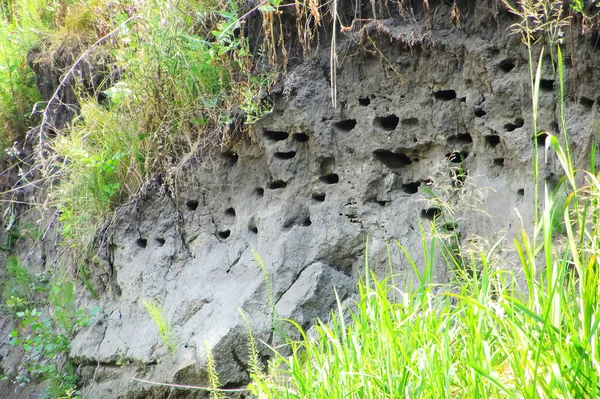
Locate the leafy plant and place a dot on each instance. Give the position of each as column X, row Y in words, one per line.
column 46, row 340
column 46, row 319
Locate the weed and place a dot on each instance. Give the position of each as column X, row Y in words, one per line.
column 452, row 196
column 164, row 327
column 213, row 376
column 46, row 319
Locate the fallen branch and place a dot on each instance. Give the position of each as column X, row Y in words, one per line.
column 188, row 386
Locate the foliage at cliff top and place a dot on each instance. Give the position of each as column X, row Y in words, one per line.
column 168, row 80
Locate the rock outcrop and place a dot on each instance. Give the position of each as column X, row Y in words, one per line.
column 314, row 182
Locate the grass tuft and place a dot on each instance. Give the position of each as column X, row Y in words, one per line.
column 164, row 327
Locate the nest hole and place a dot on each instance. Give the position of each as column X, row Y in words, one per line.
column 540, row 139
column 430, row 213
column 231, row 157
column 277, row 184
column 586, row 102
column 392, row 160
column 547, row 85
column 492, row 140
column 276, row 135
column 510, row 127
column 285, row 155
column 192, row 205
column 445, row 95
column 345, row 125
column 461, row 138
column 331, row 178
column 301, row 137
column 318, row 197
column 457, row 156
column 411, row 188
column 388, row 123
column 506, row 66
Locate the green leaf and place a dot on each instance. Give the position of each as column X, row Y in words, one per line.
column 267, row 8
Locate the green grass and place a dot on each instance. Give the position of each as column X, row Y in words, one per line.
column 22, row 24
column 164, row 327
column 482, row 339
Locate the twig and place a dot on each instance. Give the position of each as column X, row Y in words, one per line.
column 188, row 386
column 243, row 17
column 333, row 57
column 69, row 73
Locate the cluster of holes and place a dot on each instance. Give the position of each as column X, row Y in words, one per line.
column 506, row 65
column 330, row 178
column 492, row 140
column 345, row 125
column 457, row 156
column 460, row 138
column 388, row 123
column 285, row 155
column 445, row 95
column 392, row 160
column 510, row 127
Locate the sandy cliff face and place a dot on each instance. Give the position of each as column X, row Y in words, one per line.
column 315, row 181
